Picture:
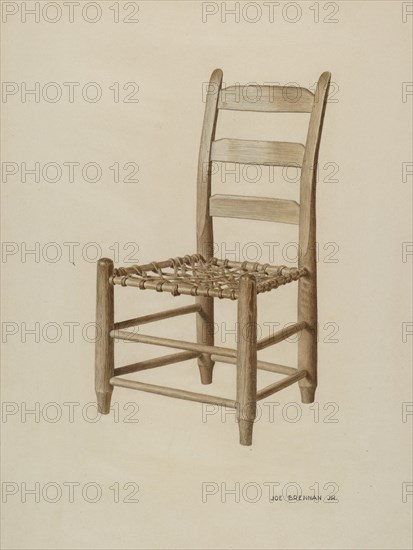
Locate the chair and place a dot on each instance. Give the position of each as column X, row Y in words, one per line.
column 207, row 278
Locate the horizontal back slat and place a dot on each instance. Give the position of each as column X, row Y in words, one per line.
column 254, row 208
column 272, row 153
column 267, row 99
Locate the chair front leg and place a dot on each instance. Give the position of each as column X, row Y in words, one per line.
column 205, row 335
column 247, row 358
column 104, row 350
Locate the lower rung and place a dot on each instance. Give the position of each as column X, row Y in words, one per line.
column 173, row 392
column 281, row 335
column 284, row 383
column 263, row 365
column 156, row 362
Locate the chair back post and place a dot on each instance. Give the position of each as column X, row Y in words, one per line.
column 307, row 286
column 205, row 237
column 204, row 232
column 308, row 178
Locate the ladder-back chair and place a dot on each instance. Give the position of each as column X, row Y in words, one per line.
column 206, row 278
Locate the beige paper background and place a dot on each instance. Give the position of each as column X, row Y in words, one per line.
column 364, row 374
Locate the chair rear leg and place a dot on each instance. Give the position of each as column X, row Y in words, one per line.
column 307, row 357
column 307, row 343
column 205, row 335
column 104, row 351
column 247, row 358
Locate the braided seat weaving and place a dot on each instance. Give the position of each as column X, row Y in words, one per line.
column 193, row 275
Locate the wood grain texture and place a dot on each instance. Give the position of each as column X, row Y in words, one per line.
column 270, row 153
column 104, row 350
column 268, row 99
column 255, row 208
column 307, row 286
column 156, row 362
column 204, row 221
column 193, row 308
column 172, row 343
column 277, row 386
column 205, row 236
column 281, row 335
column 263, row 365
column 173, row 392
column 247, row 358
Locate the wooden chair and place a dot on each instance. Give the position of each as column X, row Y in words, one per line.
column 206, row 278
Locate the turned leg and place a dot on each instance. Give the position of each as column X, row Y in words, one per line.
column 205, row 335
column 307, row 343
column 247, row 358
column 104, row 352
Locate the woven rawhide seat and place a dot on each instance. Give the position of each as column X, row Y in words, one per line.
column 195, row 276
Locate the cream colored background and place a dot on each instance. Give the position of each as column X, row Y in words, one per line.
column 171, row 452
